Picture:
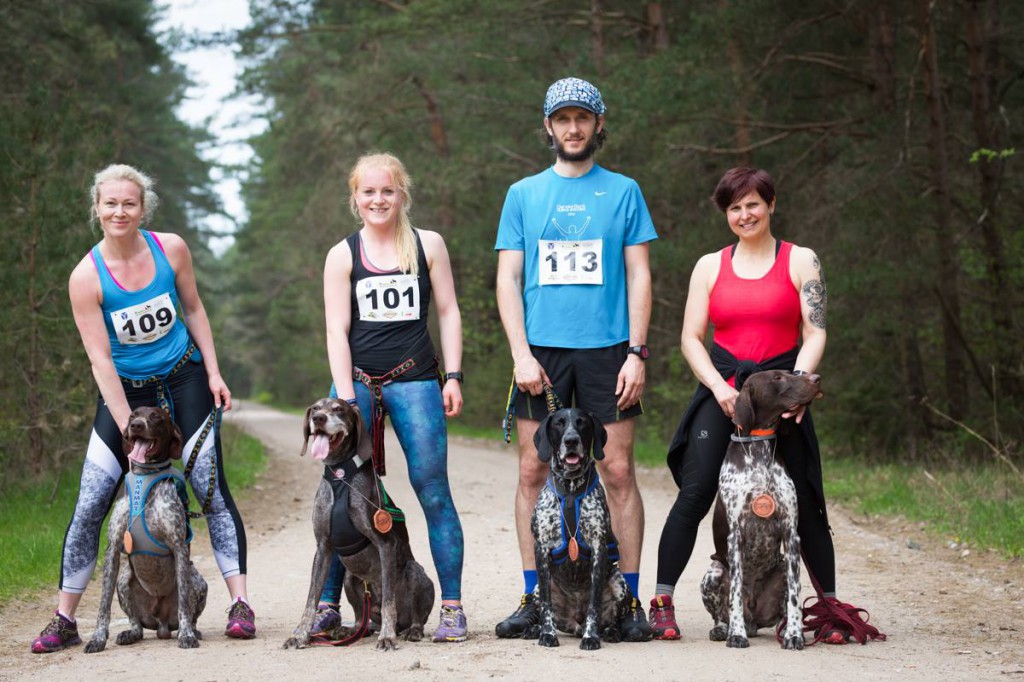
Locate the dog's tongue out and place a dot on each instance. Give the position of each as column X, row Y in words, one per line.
column 321, row 447
column 139, row 450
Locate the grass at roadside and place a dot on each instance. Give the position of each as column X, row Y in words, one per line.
column 34, row 517
column 981, row 505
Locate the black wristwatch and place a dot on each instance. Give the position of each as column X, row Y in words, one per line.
column 454, row 375
column 639, row 350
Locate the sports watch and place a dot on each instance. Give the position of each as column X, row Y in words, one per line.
column 639, row 350
column 454, row 375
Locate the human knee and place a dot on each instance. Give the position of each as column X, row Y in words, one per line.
column 618, row 475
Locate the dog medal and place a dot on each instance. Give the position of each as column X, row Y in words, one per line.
column 574, row 549
column 127, row 542
column 382, row 521
column 763, row 505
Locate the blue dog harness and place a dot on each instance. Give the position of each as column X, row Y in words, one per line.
column 569, row 506
column 137, row 485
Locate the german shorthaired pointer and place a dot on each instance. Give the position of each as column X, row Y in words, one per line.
column 353, row 515
column 158, row 586
column 581, row 590
column 750, row 584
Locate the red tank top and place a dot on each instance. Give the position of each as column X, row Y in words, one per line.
column 755, row 319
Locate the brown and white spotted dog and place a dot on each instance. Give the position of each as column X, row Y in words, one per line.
column 580, row 588
column 750, row 584
column 343, row 521
column 158, row 587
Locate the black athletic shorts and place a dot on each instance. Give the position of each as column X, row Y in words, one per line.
column 583, row 378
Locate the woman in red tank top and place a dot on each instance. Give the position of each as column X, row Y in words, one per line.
column 766, row 301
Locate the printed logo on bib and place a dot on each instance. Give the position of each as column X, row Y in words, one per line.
column 146, row 322
column 390, row 298
column 571, row 262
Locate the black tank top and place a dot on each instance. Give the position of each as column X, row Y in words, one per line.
column 389, row 317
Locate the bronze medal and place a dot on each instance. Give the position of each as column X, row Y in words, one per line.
column 128, row 542
column 574, row 549
column 382, row 521
column 763, row 505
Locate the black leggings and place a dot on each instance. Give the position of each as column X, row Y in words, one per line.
column 708, row 440
column 105, row 466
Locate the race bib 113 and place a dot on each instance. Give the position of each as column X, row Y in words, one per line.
column 571, row 262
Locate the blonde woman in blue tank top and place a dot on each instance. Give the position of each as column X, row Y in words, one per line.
column 148, row 339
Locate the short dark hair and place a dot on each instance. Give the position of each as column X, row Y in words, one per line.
column 739, row 182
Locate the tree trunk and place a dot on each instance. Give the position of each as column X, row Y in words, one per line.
column 445, row 209
column 980, row 26
column 947, row 247
column 597, row 36
column 657, row 28
column 732, row 51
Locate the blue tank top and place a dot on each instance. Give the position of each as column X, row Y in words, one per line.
column 147, row 335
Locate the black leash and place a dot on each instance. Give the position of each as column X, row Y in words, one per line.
column 211, row 422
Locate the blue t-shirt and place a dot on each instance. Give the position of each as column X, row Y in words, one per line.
column 572, row 232
column 146, row 332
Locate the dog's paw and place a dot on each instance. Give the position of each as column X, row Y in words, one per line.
column 548, row 639
column 187, row 642
column 612, row 634
column 590, row 643
column 94, row 646
column 794, row 643
column 129, row 637
column 414, row 633
column 199, row 635
column 737, row 642
column 296, row 643
column 386, row 644
column 718, row 633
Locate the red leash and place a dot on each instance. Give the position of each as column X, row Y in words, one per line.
column 360, row 631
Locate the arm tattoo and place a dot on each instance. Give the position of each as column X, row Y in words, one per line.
column 816, row 296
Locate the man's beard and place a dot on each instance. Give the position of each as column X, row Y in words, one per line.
column 581, row 155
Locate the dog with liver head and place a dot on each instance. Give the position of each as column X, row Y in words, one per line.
column 751, row 583
column 158, row 587
column 348, row 517
column 580, row 588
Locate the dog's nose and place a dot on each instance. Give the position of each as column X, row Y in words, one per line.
column 814, row 379
column 319, row 418
column 571, row 441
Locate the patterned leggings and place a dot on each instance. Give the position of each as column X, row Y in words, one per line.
column 416, row 410
column 106, row 464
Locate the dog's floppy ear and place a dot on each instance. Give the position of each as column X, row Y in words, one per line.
column 743, row 411
column 305, row 431
column 600, row 437
column 361, row 436
column 541, row 440
column 177, row 442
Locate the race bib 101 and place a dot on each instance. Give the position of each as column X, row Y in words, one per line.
column 388, row 298
column 144, row 323
column 571, row 262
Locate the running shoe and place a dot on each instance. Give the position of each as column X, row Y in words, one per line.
column 524, row 621
column 59, row 634
column 453, row 625
column 663, row 618
column 241, row 621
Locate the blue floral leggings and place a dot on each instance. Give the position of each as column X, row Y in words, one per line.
column 416, row 410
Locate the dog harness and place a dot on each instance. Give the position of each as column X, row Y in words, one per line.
column 137, row 485
column 569, row 506
column 345, row 537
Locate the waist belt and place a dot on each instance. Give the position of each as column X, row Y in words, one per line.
column 375, row 384
column 163, row 395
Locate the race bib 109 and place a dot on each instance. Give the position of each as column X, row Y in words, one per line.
column 571, row 262
column 144, row 323
column 389, row 298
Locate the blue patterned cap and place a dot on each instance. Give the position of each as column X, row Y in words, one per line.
column 573, row 92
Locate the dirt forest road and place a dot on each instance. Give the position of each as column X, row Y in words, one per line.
column 948, row 617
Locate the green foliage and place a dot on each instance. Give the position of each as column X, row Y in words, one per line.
column 85, row 85
column 33, row 518
column 924, row 263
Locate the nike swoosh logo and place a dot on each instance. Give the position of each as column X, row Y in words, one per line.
column 600, row 194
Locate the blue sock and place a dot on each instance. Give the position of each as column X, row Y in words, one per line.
column 529, row 581
column 633, row 580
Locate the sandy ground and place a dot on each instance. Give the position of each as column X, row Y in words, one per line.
column 948, row 617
